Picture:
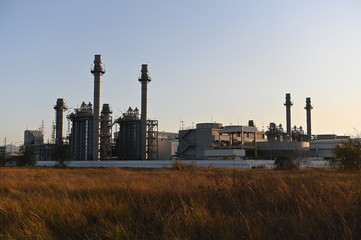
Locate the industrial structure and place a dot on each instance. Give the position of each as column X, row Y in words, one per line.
column 308, row 117
column 136, row 137
column 215, row 141
column 91, row 136
column 33, row 137
column 81, row 136
column 144, row 79
column 106, row 124
column 322, row 145
column 167, row 145
column 288, row 105
column 98, row 71
column 35, row 140
column 60, row 108
column 129, row 135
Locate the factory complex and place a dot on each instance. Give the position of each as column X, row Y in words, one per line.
column 95, row 136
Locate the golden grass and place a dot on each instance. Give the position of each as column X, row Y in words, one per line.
column 189, row 203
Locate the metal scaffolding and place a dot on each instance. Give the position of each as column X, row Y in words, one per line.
column 105, row 133
column 152, row 140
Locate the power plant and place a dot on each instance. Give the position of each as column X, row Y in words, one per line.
column 91, row 136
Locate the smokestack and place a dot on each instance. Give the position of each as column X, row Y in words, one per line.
column 98, row 71
column 60, row 108
column 144, row 79
column 288, row 105
column 308, row 117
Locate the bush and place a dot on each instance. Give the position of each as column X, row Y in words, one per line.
column 27, row 157
column 347, row 155
column 61, row 154
column 284, row 162
column 3, row 161
column 179, row 165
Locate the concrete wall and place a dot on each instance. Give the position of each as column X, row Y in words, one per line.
column 245, row 164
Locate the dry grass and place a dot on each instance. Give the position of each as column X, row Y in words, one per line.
column 189, row 203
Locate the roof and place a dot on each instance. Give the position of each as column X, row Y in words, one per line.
column 35, row 133
column 238, row 129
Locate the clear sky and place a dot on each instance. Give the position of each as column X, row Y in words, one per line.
column 226, row 61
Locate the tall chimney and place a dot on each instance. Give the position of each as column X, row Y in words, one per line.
column 288, row 105
column 98, row 71
column 144, row 79
column 60, row 108
column 308, row 117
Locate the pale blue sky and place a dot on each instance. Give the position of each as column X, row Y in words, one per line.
column 229, row 61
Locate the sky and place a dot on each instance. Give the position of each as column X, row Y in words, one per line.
column 222, row 61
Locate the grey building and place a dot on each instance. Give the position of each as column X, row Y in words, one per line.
column 167, row 145
column 214, row 141
column 33, row 137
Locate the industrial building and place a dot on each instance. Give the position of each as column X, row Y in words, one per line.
column 129, row 138
column 91, row 136
column 81, row 136
column 35, row 140
column 167, row 145
column 60, row 109
column 33, row 137
column 293, row 142
column 323, row 145
column 215, row 141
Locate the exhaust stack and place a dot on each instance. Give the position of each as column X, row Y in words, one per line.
column 144, row 79
column 60, row 108
column 308, row 117
column 98, row 71
column 288, row 105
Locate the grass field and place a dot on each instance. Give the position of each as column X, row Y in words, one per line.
column 183, row 203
